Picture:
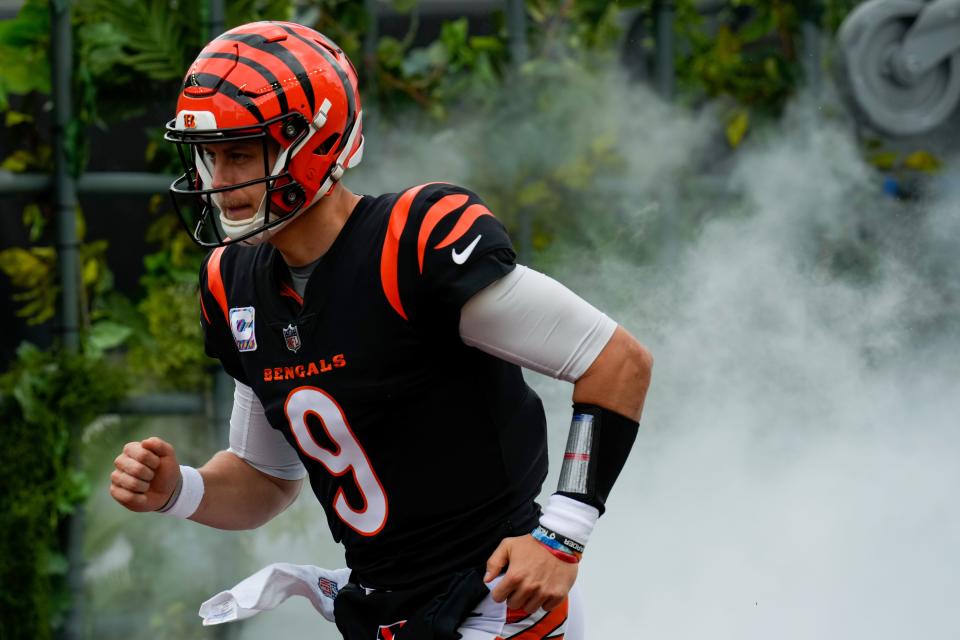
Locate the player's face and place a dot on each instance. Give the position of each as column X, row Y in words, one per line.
column 233, row 163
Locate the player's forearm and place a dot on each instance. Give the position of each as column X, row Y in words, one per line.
column 237, row 496
column 618, row 379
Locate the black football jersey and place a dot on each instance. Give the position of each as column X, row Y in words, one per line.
column 424, row 453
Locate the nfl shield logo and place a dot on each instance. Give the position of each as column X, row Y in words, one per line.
column 389, row 632
column 328, row 587
column 292, row 337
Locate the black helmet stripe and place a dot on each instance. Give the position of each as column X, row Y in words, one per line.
column 227, row 88
column 347, row 87
column 259, row 68
column 283, row 54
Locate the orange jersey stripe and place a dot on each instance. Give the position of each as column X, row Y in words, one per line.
column 545, row 625
column 215, row 282
column 463, row 225
column 436, row 213
column 287, row 290
column 204, row 310
column 516, row 615
column 390, row 255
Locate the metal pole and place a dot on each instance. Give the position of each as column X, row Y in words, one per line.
column 812, row 60
column 219, row 434
column 811, row 42
column 666, row 191
column 64, row 184
column 665, row 48
column 517, row 31
column 68, row 262
column 370, row 39
column 223, row 386
column 216, row 25
column 98, row 182
column 519, row 54
column 162, row 404
column 222, row 383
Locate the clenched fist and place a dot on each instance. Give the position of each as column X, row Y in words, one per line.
column 146, row 475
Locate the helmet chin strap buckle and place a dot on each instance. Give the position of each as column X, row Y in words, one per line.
column 337, row 172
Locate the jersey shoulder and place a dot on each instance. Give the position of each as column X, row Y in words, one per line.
column 225, row 275
column 441, row 245
column 225, row 294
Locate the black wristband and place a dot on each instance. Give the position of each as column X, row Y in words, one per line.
column 559, row 537
column 173, row 496
column 597, row 448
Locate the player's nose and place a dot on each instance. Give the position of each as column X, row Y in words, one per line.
column 222, row 176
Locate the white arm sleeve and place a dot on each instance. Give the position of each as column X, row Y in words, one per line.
column 533, row 321
column 253, row 440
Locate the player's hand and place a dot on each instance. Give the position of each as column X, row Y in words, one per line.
column 145, row 476
column 535, row 578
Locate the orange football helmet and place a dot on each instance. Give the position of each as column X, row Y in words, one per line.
column 266, row 81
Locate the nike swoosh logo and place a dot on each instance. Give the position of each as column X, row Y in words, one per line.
column 460, row 258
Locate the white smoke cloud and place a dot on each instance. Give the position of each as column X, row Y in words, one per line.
column 796, row 472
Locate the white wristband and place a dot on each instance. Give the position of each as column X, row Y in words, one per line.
column 191, row 493
column 570, row 517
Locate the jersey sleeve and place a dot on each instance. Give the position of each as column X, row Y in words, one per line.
column 217, row 340
column 451, row 246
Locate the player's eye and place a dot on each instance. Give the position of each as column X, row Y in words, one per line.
column 239, row 157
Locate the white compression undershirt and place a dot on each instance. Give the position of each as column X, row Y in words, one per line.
column 525, row 318
column 532, row 320
column 257, row 443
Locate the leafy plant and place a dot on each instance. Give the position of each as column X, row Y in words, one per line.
column 45, row 400
column 455, row 68
column 33, row 270
column 24, row 47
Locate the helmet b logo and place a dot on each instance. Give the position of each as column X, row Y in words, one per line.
column 190, row 121
column 389, row 632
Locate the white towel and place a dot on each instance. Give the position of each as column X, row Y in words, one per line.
column 270, row 586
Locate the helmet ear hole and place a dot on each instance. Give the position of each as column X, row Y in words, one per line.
column 292, row 195
column 327, row 144
column 293, row 126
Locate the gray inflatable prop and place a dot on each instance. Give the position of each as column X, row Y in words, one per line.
column 899, row 63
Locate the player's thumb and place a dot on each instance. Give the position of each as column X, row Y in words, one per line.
column 161, row 448
column 496, row 562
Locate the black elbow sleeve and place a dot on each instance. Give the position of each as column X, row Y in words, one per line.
column 597, row 448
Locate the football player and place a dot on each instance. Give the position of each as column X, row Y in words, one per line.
column 376, row 343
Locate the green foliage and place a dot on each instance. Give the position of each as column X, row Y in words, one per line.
column 455, row 68
column 148, row 36
column 563, row 28
column 751, row 58
column 168, row 350
column 24, row 47
column 33, row 270
column 45, row 400
column 834, row 12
